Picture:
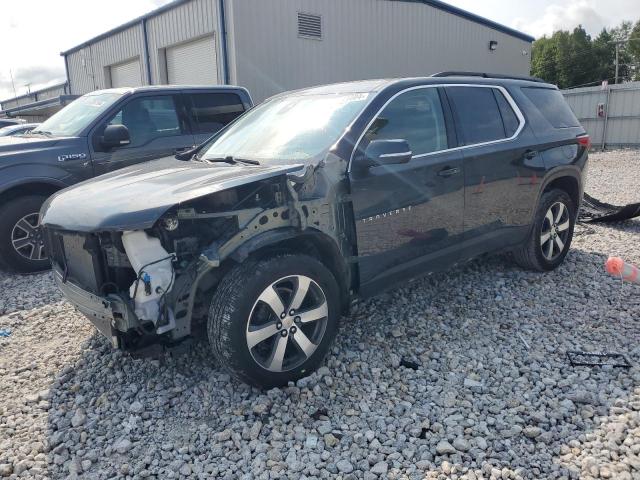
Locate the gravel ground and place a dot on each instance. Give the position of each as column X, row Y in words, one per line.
column 493, row 395
column 614, row 176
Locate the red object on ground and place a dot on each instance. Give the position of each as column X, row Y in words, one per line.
column 619, row 268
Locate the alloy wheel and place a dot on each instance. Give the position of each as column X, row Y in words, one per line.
column 555, row 231
column 27, row 238
column 287, row 323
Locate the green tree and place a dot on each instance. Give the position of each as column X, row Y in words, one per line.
column 543, row 59
column 634, row 49
column 604, row 51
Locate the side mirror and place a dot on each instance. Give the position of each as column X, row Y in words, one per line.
column 115, row 136
column 387, row 152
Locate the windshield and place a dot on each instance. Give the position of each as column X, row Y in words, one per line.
column 76, row 116
column 291, row 128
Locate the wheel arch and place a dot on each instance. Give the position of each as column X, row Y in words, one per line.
column 309, row 242
column 31, row 186
column 568, row 180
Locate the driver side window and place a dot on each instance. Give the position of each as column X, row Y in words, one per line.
column 148, row 118
column 415, row 116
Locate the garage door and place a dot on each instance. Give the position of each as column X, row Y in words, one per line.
column 126, row 74
column 193, row 63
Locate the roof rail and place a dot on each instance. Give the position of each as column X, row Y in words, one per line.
column 488, row 75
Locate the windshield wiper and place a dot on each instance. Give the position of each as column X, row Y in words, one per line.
column 43, row 132
column 232, row 160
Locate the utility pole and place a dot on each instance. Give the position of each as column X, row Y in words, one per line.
column 617, row 60
column 13, row 84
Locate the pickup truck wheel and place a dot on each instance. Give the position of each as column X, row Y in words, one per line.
column 272, row 321
column 21, row 242
column 551, row 235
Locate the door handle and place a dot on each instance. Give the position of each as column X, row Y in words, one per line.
column 530, row 154
column 448, row 172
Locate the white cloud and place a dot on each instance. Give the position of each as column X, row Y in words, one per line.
column 563, row 17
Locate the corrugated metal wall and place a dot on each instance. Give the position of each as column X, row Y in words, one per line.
column 180, row 24
column 361, row 39
column 88, row 67
column 35, row 96
column 620, row 124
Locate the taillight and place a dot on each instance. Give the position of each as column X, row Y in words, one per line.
column 585, row 141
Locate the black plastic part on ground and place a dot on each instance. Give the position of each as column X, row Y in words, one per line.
column 593, row 210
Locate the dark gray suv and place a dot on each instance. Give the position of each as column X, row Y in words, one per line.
column 98, row 133
column 314, row 198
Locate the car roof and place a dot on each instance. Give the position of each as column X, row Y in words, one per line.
column 377, row 85
column 156, row 88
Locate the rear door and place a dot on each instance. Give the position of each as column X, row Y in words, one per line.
column 155, row 127
column 502, row 167
column 409, row 213
column 210, row 111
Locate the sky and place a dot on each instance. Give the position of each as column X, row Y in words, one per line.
column 34, row 32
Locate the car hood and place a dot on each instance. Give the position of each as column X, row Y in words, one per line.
column 135, row 198
column 16, row 144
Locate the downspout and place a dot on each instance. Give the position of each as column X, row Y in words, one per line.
column 66, row 71
column 145, row 46
column 223, row 43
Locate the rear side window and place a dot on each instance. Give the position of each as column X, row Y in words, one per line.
column 552, row 106
column 477, row 114
column 212, row 111
column 509, row 117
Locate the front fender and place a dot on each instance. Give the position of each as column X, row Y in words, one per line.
column 16, row 177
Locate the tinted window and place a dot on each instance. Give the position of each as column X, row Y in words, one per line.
column 415, row 116
column 509, row 118
column 212, row 111
column 477, row 114
column 553, row 106
column 148, row 118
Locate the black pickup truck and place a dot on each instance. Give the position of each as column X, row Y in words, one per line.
column 96, row 134
column 311, row 199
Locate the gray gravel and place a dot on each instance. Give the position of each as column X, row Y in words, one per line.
column 480, row 405
column 614, row 177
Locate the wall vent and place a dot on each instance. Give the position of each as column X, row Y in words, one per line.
column 309, row 25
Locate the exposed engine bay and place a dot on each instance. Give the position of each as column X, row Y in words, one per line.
column 152, row 283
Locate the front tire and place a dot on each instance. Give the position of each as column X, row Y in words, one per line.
column 551, row 235
column 273, row 320
column 21, row 242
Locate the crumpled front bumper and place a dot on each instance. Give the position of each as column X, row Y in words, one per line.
column 99, row 310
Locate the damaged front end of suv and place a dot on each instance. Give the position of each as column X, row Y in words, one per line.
column 142, row 276
column 250, row 235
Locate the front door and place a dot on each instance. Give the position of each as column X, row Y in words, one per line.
column 155, row 129
column 408, row 213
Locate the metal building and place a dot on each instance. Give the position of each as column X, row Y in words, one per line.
column 270, row 46
column 37, row 105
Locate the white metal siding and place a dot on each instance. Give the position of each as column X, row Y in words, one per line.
column 181, row 24
column 360, row 39
column 622, row 111
column 193, row 63
column 89, row 66
column 126, row 74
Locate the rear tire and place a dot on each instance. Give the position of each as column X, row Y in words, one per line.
column 21, row 242
column 273, row 320
column 551, row 234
